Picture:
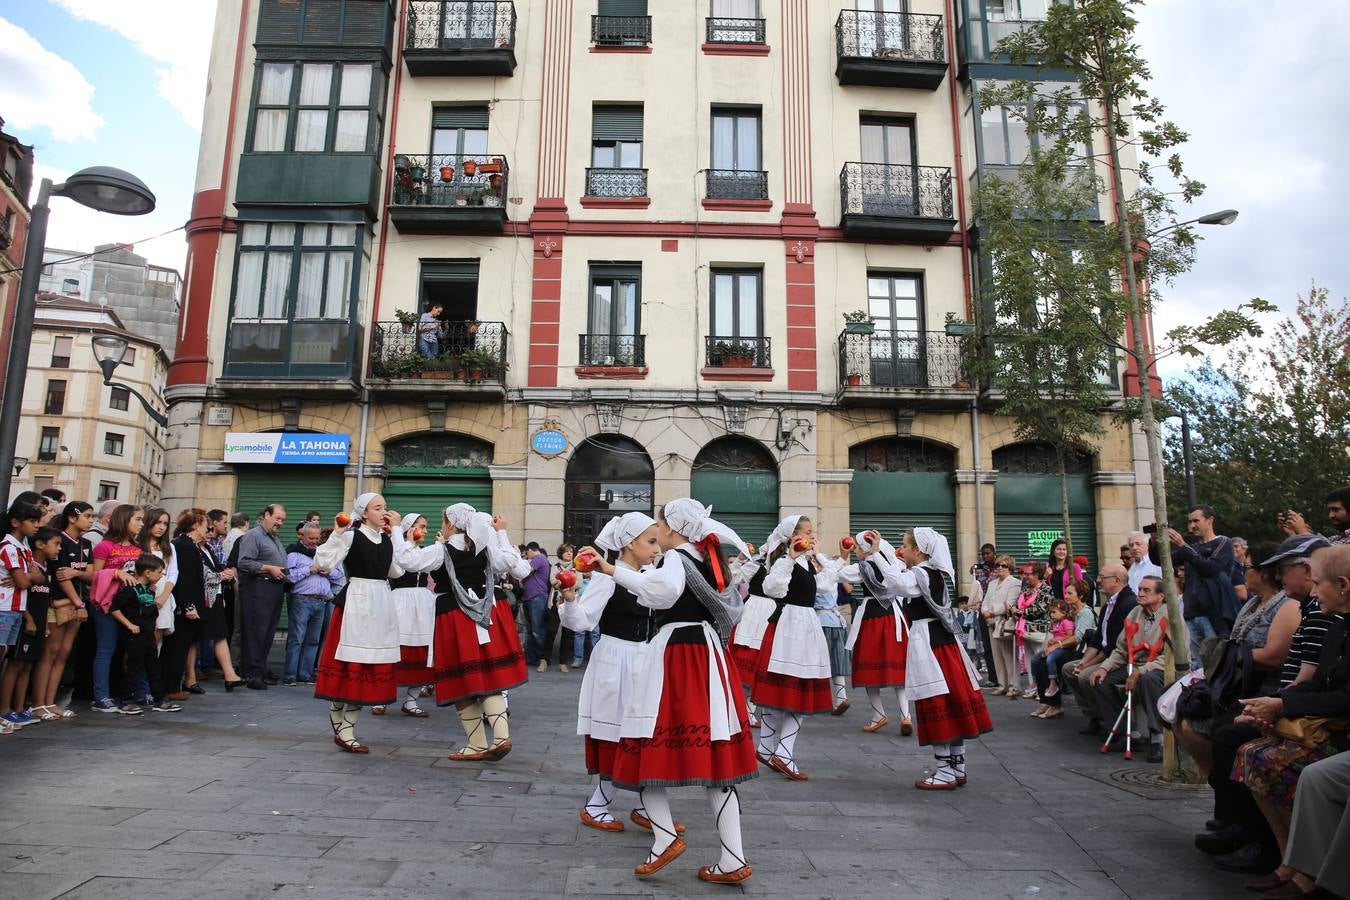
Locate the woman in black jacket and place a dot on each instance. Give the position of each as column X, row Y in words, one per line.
column 198, row 610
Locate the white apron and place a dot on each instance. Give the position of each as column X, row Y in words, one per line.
column 901, row 623
column 608, row 685
column 370, row 628
column 754, row 622
column 923, row 675
column 639, row 718
column 799, row 645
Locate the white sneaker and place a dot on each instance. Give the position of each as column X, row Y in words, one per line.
column 543, row 666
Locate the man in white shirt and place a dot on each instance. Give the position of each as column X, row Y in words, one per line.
column 1142, row 566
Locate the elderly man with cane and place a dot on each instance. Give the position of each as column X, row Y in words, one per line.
column 1137, row 666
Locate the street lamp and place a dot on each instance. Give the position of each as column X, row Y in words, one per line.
column 109, row 351
column 20, row 463
column 1222, row 217
column 100, row 188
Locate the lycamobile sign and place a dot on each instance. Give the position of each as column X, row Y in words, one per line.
column 287, row 447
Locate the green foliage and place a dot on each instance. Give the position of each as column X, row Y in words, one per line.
column 1270, row 422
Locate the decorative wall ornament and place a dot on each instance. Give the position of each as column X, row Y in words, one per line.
column 547, row 246
column 735, row 417
column 610, row 416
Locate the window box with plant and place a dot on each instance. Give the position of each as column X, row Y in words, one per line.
column 858, row 322
column 407, row 319
column 732, row 355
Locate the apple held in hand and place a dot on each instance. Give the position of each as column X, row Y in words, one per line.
column 585, row 562
column 418, row 534
column 343, row 520
column 801, row 544
column 848, row 543
column 567, row 579
column 751, row 548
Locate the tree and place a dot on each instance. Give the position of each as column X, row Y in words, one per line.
column 1271, row 421
column 1109, row 107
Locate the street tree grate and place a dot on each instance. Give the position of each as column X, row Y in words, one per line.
column 1146, row 783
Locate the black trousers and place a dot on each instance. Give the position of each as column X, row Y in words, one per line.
column 174, row 650
column 1232, row 801
column 260, row 611
column 142, row 661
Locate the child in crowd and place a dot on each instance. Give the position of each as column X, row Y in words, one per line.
column 24, row 655
column 1061, row 627
column 136, row 607
column 18, row 574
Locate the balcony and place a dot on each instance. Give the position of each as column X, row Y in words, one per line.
column 450, row 194
column 621, row 31
column 890, row 49
column 733, row 358
column 458, row 357
column 612, row 355
column 313, row 355
column 461, row 37
column 308, row 180
column 1091, row 211
column 624, row 188
column 736, row 189
column 903, row 366
column 879, row 201
column 735, row 31
column 6, row 232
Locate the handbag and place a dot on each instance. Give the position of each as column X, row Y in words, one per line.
column 1310, row 731
column 64, row 614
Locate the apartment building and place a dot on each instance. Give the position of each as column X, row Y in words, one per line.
column 568, row 258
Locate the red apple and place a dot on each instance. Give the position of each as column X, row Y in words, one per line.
column 417, row 534
column 343, row 520
column 801, row 544
column 585, row 562
column 848, row 543
column 751, row 548
column 567, row 579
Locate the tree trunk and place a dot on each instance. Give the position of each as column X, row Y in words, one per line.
column 1177, row 655
column 1064, row 501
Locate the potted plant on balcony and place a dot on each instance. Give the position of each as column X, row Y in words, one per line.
column 732, row 355
column 462, row 198
column 407, row 319
column 853, row 379
column 469, row 167
column 858, row 322
column 475, row 363
column 404, row 364
column 447, row 173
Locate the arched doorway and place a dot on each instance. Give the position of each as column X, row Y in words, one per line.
column 737, row 477
column 607, row 476
column 428, row 472
column 1027, row 509
column 900, row 483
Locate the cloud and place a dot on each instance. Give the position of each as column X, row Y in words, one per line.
column 174, row 32
column 42, row 90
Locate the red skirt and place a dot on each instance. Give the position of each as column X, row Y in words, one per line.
column 466, row 669
column 360, row 684
column 806, row 696
column 680, row 751
column 878, row 658
column 744, row 659
column 959, row 714
column 600, row 757
column 412, row 666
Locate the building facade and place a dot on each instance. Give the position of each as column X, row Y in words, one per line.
column 145, row 297
column 16, row 182
column 635, row 230
column 93, row 441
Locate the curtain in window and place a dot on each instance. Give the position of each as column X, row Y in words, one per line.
column 735, row 9
column 269, row 131
column 351, row 130
column 723, row 311
column 249, row 286
column 626, row 310
column 355, row 86
column 316, row 82
column 278, row 280
column 724, row 142
column 274, row 89
column 748, row 302
column 339, row 284
column 311, row 130
column 601, row 308
column 309, row 290
column 747, row 143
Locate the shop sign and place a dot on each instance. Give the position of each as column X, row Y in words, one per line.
column 548, row 442
column 1040, row 542
column 287, row 447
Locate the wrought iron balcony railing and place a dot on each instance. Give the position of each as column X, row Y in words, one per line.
column 909, row 359
column 617, row 350
column 735, row 31
column 6, row 232
column 616, row 182
column 621, row 31
column 737, row 184
column 461, row 25
column 737, row 352
column 474, row 180
column 473, row 352
column 909, row 37
column 882, row 189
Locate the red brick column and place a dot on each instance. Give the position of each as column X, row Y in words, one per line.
column 801, row 315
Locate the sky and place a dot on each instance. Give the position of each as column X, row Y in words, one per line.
column 97, row 82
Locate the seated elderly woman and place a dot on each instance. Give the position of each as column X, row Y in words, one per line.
column 1305, row 724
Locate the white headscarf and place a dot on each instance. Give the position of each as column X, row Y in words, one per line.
column 409, row 521
column 934, row 545
column 694, row 520
column 459, row 515
column 782, row 533
column 360, row 503
column 621, row 531
column 882, row 545
column 476, row 525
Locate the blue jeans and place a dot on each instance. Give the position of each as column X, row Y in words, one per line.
column 1200, row 628
column 536, row 629
column 303, row 627
column 428, row 344
column 1043, row 668
column 106, row 630
column 579, row 642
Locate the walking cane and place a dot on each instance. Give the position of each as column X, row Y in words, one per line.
column 1127, row 712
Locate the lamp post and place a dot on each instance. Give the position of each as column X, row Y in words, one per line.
column 100, row 188
column 20, row 463
column 109, row 351
column 1222, row 217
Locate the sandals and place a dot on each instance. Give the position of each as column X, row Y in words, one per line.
column 783, row 768
column 499, row 749
column 415, row 711
column 840, row 709
column 765, row 759
column 906, row 727
column 600, row 824
column 338, row 720
column 713, row 875
column 465, row 754
column 933, row 783
column 879, row 724
column 652, row 866
column 377, row 710
column 46, row 714
column 642, row 821
column 1053, row 712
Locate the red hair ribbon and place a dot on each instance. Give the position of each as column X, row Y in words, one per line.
column 710, row 547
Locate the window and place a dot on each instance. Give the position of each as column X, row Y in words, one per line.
column 621, row 23
column 129, row 358
column 736, row 162
column 114, row 444
column 459, row 131
column 43, row 482
column 107, row 490
column 614, row 317
column 119, row 398
column 1005, row 140
column 616, row 153
column 70, row 286
column 48, row 444
column 293, row 293
column 895, row 303
column 736, row 22
column 313, row 107
column 736, row 302
column 61, row 352
column 56, row 398
column 11, row 166
column 1017, row 10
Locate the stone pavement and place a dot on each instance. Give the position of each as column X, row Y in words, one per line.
column 244, row 795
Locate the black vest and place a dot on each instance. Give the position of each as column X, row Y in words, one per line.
column 470, row 570
column 917, row 608
column 409, row 580
column 688, row 608
column 801, row 592
column 624, row 618
column 874, row 610
column 366, row 559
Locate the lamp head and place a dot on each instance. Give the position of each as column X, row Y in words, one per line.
column 1222, row 217
column 109, row 350
column 108, row 190
column 20, row 463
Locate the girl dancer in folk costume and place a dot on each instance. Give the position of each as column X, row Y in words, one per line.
column 686, row 723
column 475, row 652
column 878, row 637
column 748, row 634
column 792, row 673
column 628, row 541
column 356, row 664
column 946, row 690
column 416, row 605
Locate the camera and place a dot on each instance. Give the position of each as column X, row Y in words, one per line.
column 1150, row 529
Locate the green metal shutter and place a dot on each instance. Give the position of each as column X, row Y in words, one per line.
column 746, row 501
column 616, row 123
column 443, row 271
column 893, row 527
column 298, row 488
column 893, row 502
column 622, row 7
column 1028, row 516
column 470, row 117
column 429, row 491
